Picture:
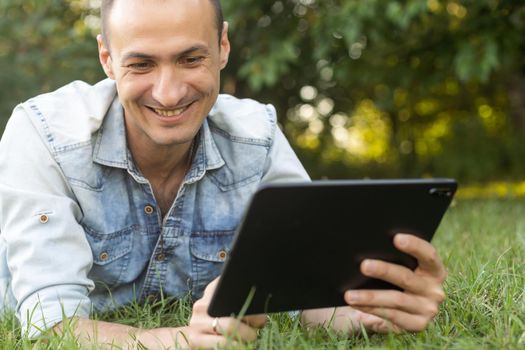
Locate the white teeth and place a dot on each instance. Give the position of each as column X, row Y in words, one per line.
column 170, row 112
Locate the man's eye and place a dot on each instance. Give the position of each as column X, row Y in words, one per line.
column 142, row 66
column 192, row 60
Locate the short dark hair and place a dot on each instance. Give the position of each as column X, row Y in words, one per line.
column 106, row 6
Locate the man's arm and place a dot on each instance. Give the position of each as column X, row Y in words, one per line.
column 47, row 253
column 411, row 309
column 106, row 334
column 203, row 331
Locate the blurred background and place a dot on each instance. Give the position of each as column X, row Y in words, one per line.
column 363, row 88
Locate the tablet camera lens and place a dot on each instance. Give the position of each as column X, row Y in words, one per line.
column 441, row 192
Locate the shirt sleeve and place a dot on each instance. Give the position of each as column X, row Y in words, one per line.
column 282, row 164
column 47, row 253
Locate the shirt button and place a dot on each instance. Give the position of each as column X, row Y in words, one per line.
column 103, row 256
column 160, row 257
column 148, row 209
column 222, row 254
column 44, row 218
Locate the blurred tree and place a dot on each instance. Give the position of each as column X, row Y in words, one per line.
column 363, row 88
column 443, row 74
column 43, row 45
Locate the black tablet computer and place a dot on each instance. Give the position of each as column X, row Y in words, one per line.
column 300, row 245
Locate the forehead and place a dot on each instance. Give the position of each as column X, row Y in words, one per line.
column 161, row 20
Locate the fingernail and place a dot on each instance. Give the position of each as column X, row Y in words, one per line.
column 402, row 240
column 369, row 266
column 353, row 297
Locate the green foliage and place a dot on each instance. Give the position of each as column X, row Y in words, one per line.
column 444, row 76
column 464, row 39
column 43, row 45
column 400, row 55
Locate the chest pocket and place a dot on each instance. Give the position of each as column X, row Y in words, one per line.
column 111, row 255
column 209, row 250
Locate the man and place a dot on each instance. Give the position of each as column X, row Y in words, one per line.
column 134, row 187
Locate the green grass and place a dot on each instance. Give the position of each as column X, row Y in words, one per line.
column 483, row 245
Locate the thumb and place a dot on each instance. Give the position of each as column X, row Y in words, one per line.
column 210, row 288
column 377, row 324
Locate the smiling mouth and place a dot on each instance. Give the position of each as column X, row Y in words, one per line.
column 170, row 112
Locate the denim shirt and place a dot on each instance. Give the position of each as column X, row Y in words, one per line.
column 80, row 228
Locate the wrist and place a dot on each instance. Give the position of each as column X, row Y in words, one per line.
column 317, row 317
column 161, row 338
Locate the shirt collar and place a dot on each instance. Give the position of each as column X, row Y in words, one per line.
column 206, row 155
column 111, row 146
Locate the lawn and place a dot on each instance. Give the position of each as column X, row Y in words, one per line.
column 483, row 245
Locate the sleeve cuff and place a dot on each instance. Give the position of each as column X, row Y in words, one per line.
column 48, row 307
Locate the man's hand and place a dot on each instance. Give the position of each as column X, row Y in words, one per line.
column 413, row 308
column 205, row 332
column 216, row 331
column 390, row 310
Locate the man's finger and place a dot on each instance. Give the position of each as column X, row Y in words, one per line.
column 426, row 255
column 377, row 324
column 391, row 299
column 398, row 275
column 235, row 328
column 349, row 320
column 208, row 341
column 256, row 321
column 400, row 319
column 210, row 288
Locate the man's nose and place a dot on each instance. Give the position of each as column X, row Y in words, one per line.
column 169, row 88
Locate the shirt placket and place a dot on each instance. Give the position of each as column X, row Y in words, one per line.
column 165, row 248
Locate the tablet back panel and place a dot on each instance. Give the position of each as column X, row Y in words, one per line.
column 300, row 245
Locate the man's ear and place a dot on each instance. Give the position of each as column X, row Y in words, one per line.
column 225, row 46
column 104, row 57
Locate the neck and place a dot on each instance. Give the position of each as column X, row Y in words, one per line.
column 160, row 163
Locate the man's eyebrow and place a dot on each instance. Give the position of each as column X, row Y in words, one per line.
column 139, row 55
column 193, row 49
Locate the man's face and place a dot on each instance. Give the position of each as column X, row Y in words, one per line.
column 166, row 61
